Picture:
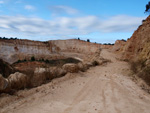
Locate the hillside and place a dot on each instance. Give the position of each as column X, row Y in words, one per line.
column 138, row 46
column 137, row 51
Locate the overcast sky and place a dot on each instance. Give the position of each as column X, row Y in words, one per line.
column 98, row 20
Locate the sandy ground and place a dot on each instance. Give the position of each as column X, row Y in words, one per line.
column 102, row 89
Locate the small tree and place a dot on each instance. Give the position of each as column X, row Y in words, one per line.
column 78, row 38
column 18, row 61
column 47, row 61
column 24, row 60
column 147, row 8
column 88, row 40
column 32, row 58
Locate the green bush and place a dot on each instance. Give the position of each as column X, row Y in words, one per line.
column 32, row 58
column 47, row 61
column 19, row 61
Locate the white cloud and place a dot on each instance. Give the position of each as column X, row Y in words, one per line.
column 65, row 26
column 1, row 2
column 120, row 23
column 18, row 1
column 29, row 7
column 59, row 9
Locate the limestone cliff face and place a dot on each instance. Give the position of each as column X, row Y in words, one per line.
column 138, row 46
column 74, row 45
column 14, row 50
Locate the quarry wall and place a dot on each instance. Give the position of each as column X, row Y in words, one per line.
column 14, row 50
column 138, row 46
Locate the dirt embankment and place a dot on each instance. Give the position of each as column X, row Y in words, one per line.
column 33, row 73
column 137, row 51
column 102, row 89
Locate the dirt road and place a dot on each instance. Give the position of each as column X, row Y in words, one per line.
column 102, row 89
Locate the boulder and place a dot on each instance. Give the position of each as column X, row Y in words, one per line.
column 70, row 67
column 41, row 75
column 40, row 70
column 57, row 72
column 18, row 80
column 82, row 67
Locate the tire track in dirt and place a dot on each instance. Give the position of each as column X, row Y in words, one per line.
column 82, row 94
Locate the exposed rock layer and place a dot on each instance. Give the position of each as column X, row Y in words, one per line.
column 138, row 46
column 14, row 50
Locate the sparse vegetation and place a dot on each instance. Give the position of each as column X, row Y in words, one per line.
column 6, row 38
column 88, row 40
column 123, row 40
column 32, row 58
column 108, row 44
column 143, row 20
column 58, row 62
column 147, row 8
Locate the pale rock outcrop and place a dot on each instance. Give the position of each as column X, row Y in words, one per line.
column 14, row 50
column 41, row 75
column 82, row 67
column 39, row 70
column 57, row 72
column 70, row 67
column 18, row 80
